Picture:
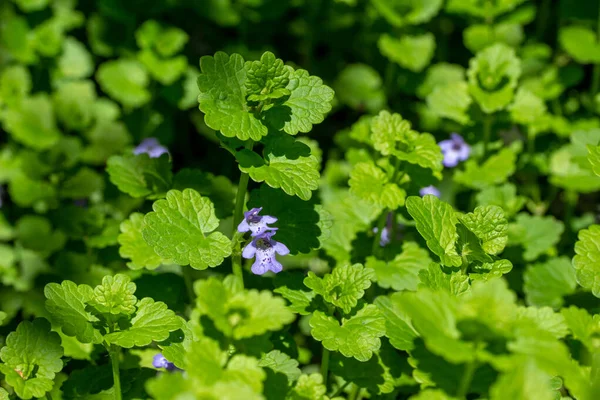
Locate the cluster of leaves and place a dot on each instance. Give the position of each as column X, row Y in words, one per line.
column 111, row 253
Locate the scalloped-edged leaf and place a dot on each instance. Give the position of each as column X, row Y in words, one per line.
column 401, row 273
column 493, row 76
column 356, row 337
column 587, row 259
column 545, row 284
column 153, row 321
column 115, row 295
column 360, row 87
column 407, row 12
column 32, row 122
column 489, row 224
column 133, row 245
column 140, row 175
column 452, row 101
column 581, row 43
column 436, row 222
column 288, row 165
column 66, row 303
column 495, row 170
column 176, row 230
column 223, row 97
column 370, row 183
column 125, row 81
column 343, row 287
column 536, row 234
column 32, row 357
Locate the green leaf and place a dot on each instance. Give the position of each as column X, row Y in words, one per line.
column 478, row 37
column 545, row 284
column 165, row 71
column 32, row 122
column 455, row 283
column 218, row 189
column 298, row 221
column 309, row 101
column 495, row 170
column 267, row 78
column 343, row 287
column 177, row 227
column 402, row 273
column 133, row 245
column 543, row 318
column 493, row 76
column 572, row 171
column 153, row 321
column 32, row 357
column 482, row 10
column 106, row 138
column 489, row 224
column 85, row 183
column 241, row 314
column 581, row 43
column 36, row 233
column 536, row 234
column 405, row 12
column 75, row 62
column 66, row 303
column 282, row 363
column 436, row 222
column 584, row 327
column 359, row 86
column 356, row 337
column 452, row 101
column 527, row 108
column 15, row 84
column 397, row 325
column 504, row 196
column 586, row 260
column 308, row 387
column 223, row 97
column 440, row 74
column 115, row 295
column 525, row 381
column 594, row 158
column 288, row 165
column 74, row 102
column 26, row 192
column 166, row 41
column 125, row 81
column 391, row 134
column 413, row 52
column 140, row 175
column 370, row 183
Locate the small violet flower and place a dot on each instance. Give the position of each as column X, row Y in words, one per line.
column 385, row 238
column 430, row 190
column 159, row 361
column 152, row 147
column 256, row 224
column 454, row 150
column 264, row 248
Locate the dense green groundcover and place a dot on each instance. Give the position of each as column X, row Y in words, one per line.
column 343, row 199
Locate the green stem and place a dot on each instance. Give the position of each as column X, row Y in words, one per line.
column 388, row 83
column 487, row 132
column 465, row 381
column 114, row 353
column 530, row 146
column 355, row 393
column 189, row 283
column 325, row 365
column 240, row 200
column 340, row 389
column 380, row 224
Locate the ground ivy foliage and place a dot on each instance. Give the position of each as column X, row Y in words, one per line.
column 188, row 210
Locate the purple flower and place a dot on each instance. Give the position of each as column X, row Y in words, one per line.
column 454, row 150
column 385, row 237
column 159, row 361
column 264, row 248
column 152, row 147
column 256, row 224
column 430, row 190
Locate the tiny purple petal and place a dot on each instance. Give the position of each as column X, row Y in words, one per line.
column 256, row 224
column 385, row 239
column 159, row 361
column 430, row 190
column 264, row 249
column 454, row 150
column 152, row 147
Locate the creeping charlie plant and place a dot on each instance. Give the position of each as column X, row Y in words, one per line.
column 404, row 208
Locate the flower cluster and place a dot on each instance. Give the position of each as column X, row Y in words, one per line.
column 152, row 147
column 262, row 246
